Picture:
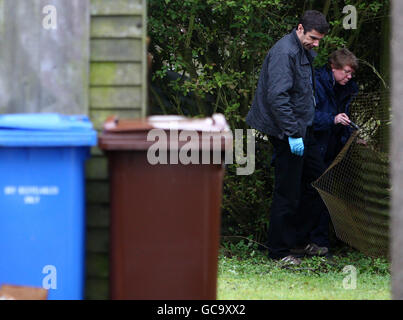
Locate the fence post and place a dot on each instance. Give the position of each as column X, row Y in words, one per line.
column 397, row 151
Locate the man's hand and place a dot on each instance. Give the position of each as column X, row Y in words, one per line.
column 342, row 118
column 296, row 146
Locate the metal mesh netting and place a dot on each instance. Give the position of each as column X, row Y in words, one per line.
column 356, row 187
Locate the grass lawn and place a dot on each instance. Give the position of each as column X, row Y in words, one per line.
column 250, row 275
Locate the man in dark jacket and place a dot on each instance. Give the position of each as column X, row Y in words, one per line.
column 284, row 108
column 334, row 93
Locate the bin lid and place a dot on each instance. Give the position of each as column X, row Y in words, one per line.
column 46, row 129
column 133, row 134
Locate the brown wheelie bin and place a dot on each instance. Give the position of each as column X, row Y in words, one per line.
column 165, row 218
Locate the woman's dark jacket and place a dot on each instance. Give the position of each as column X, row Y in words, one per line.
column 331, row 99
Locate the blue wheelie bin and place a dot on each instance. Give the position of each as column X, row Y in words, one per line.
column 42, row 201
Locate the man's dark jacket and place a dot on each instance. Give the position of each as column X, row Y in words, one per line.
column 331, row 99
column 283, row 105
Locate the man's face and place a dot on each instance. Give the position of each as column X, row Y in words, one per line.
column 343, row 75
column 310, row 39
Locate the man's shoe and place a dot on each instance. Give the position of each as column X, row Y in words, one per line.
column 313, row 249
column 290, row 260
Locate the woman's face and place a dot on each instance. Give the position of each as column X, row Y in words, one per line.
column 342, row 76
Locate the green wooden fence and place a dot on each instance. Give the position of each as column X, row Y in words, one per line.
column 117, row 86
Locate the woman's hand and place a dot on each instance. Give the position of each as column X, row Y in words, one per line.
column 342, row 118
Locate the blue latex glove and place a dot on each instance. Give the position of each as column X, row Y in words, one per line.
column 296, row 146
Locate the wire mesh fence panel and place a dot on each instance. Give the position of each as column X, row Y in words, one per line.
column 356, row 186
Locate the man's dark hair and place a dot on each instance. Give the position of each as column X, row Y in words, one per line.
column 314, row 20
